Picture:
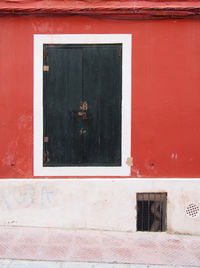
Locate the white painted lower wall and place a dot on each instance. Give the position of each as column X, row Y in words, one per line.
column 102, row 204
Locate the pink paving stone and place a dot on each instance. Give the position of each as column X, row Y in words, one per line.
column 176, row 257
column 6, row 236
column 87, row 254
column 29, row 239
column 23, row 250
column 176, row 251
column 118, row 254
column 107, row 240
column 86, row 241
column 192, row 244
column 150, row 256
column 30, row 235
column 169, row 248
column 3, row 249
column 146, row 243
column 60, row 238
column 197, row 255
column 55, row 252
column 99, row 246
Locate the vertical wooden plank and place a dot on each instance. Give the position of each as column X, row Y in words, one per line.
column 62, row 95
column 102, row 90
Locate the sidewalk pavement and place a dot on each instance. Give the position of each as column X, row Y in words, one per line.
column 63, row 245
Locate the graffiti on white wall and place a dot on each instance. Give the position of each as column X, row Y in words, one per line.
column 26, row 196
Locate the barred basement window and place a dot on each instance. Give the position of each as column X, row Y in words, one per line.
column 151, row 212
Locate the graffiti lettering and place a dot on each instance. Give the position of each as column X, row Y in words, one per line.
column 26, row 196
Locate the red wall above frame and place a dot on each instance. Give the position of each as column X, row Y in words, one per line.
column 113, row 9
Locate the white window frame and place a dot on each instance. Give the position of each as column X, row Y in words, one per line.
column 39, row 41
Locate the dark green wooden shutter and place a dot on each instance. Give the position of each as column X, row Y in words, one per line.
column 78, row 74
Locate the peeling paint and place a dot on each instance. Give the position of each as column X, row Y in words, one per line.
column 174, row 155
column 137, row 172
column 129, row 161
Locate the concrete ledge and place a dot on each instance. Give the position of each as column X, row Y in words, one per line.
column 47, row 264
column 99, row 246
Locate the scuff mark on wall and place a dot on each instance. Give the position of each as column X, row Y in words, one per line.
column 137, row 172
column 129, row 161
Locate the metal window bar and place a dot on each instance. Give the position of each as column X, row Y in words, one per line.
column 151, row 212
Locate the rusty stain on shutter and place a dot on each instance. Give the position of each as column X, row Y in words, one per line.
column 46, row 68
column 46, row 157
column 46, row 139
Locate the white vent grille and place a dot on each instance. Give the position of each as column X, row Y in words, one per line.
column 192, row 210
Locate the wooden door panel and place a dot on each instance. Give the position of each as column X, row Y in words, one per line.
column 62, row 96
column 102, row 90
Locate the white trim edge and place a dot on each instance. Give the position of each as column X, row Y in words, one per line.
column 39, row 41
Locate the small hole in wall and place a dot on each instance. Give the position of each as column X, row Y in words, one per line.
column 151, row 212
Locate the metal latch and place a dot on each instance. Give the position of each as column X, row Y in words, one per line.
column 84, row 106
column 83, row 114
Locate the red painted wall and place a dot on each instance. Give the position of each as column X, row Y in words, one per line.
column 165, row 87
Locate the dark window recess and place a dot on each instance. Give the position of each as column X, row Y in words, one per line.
column 151, row 212
column 82, row 105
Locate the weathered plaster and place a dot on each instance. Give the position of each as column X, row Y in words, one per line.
column 94, row 204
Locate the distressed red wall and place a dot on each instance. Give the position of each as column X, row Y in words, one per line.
column 165, row 90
